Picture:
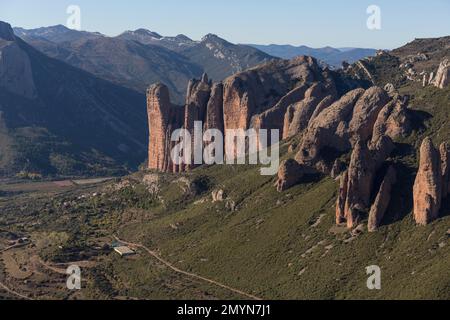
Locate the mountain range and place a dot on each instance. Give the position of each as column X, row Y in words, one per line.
column 73, row 103
column 58, row 119
column 333, row 57
column 137, row 59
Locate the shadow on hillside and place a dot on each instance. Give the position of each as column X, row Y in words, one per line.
column 445, row 209
column 402, row 194
column 418, row 119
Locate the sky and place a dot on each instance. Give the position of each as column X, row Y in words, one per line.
column 315, row 23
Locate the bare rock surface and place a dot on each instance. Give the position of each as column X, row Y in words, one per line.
column 428, row 184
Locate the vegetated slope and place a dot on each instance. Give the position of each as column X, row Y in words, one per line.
column 286, row 245
column 273, row 245
column 137, row 59
column 56, row 119
column 125, row 62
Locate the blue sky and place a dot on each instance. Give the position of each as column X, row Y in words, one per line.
column 316, row 23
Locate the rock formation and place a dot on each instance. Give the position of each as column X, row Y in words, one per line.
column 327, row 130
column 428, row 185
column 361, row 173
column 214, row 111
column 366, row 112
column 341, row 199
column 382, row 200
column 442, row 78
column 198, row 94
column 356, row 185
column 163, row 118
column 289, row 174
column 257, row 98
column 392, row 121
column 445, row 167
column 298, row 115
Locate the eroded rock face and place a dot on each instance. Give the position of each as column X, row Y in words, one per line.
column 342, row 198
column 197, row 98
column 214, row 113
column 428, row 185
column 289, row 174
column 163, row 118
column 442, row 78
column 444, row 150
column 328, row 129
column 361, row 173
column 366, row 113
column 274, row 117
column 382, row 200
column 356, row 185
column 297, row 118
column 392, row 121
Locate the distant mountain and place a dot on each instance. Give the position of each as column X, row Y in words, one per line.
column 137, row 59
column 220, row 58
column 177, row 43
column 57, row 119
column 331, row 56
column 57, row 34
column 217, row 57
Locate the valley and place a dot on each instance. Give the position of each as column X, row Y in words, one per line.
column 93, row 178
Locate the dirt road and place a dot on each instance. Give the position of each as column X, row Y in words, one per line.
column 189, row 274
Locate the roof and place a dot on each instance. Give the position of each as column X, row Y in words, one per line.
column 123, row 250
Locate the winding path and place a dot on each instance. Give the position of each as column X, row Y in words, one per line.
column 189, row 274
column 14, row 292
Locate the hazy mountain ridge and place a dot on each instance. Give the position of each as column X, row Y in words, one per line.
column 331, row 56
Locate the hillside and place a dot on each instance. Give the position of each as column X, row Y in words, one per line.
column 230, row 225
column 137, row 59
column 59, row 120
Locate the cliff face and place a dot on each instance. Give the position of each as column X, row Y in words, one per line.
column 428, row 184
column 163, row 118
column 257, row 98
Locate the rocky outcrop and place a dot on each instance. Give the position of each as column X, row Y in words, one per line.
column 392, row 121
column 442, row 78
column 366, row 113
column 328, row 130
column 444, row 150
column 198, row 94
column 361, row 173
column 341, row 199
column 163, row 118
column 356, row 186
column 382, row 200
column 428, row 185
column 218, row 195
column 274, row 117
column 257, row 98
column 214, row 111
column 297, row 118
column 289, row 174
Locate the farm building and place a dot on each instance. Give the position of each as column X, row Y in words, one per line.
column 124, row 251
